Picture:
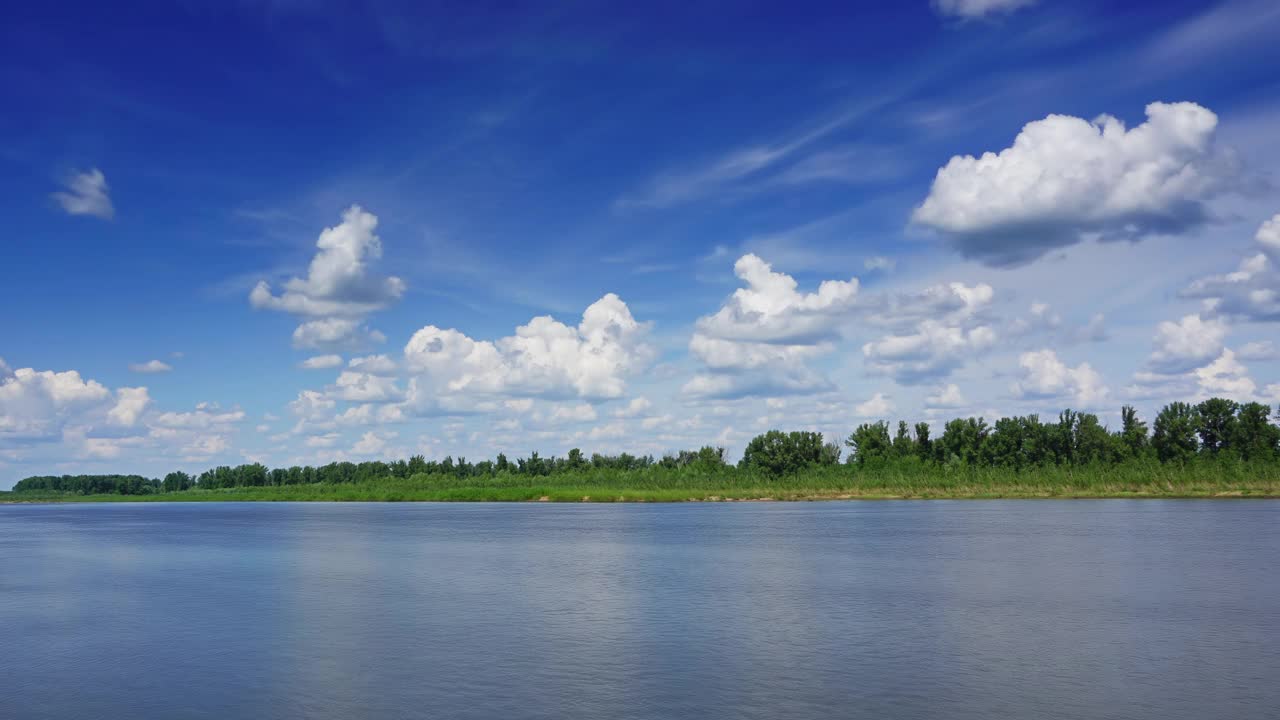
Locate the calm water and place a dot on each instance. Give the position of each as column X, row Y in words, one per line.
column 1033, row 609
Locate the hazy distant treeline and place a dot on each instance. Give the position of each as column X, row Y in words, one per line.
column 1217, row 429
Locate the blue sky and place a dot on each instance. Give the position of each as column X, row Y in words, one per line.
column 729, row 217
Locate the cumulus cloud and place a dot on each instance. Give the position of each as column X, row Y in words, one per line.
column 946, row 398
column 1226, row 377
column 580, row 413
column 336, row 333
column 975, row 9
column 340, row 289
column 761, row 337
column 151, row 367
column 544, row 358
column 372, row 443
column 1186, row 344
column 770, row 309
column 37, row 404
column 1252, row 292
column 1065, row 180
column 355, row 386
column 936, row 330
column 1268, row 238
column 948, row 303
column 374, row 365
column 321, row 362
column 932, row 351
column 130, row 403
column 1045, row 376
column 877, row 406
column 86, row 193
column 637, row 407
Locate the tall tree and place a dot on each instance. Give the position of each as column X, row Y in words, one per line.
column 1174, row 434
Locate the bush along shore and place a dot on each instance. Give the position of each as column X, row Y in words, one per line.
column 1216, row 448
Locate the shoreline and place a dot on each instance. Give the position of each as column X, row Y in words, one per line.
column 666, row 497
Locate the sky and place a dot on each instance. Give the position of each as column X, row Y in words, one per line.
column 296, row 232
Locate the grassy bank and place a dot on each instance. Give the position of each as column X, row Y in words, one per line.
column 839, row 482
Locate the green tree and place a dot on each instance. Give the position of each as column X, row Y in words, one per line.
column 1256, row 438
column 1133, row 432
column 869, row 443
column 961, row 441
column 924, row 446
column 904, row 446
column 176, row 481
column 1174, row 434
column 1216, row 424
column 778, row 453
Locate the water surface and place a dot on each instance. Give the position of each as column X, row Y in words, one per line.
column 958, row 609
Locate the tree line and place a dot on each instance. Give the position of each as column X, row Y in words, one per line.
column 1181, row 433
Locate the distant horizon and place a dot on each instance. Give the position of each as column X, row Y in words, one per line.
column 297, row 234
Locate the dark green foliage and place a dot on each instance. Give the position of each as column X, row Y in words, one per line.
column 1255, row 437
column 904, row 446
column 924, row 446
column 177, row 481
column 1174, row 438
column 777, row 453
column 1133, row 432
column 869, row 443
column 961, row 441
column 1217, row 426
column 89, row 485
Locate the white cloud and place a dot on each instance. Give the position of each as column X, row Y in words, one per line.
column 1263, row 350
column 573, row 414
column 312, row 405
column 363, row 387
column 203, row 417
column 974, row 9
column 322, row 441
column 544, row 357
column 372, row 443
column 877, row 406
column 370, row 414
column 37, row 404
column 946, row 303
column 932, row 351
column 637, row 407
column 202, row 447
column 948, row 397
column 321, row 362
column 374, row 365
column 1065, row 179
column 151, row 367
column 1226, row 377
column 130, row 403
column 1268, row 238
column 759, row 340
column 1045, row 376
column 771, row 309
column 1252, row 292
column 1183, row 345
column 336, row 333
column 339, row 290
column 86, row 194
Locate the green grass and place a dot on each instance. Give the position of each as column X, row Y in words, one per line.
column 1226, row 479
